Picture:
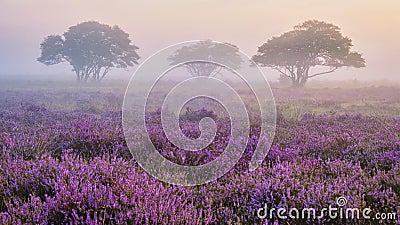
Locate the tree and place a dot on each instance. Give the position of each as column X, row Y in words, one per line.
column 310, row 44
column 212, row 51
column 91, row 48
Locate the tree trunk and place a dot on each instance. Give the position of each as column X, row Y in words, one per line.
column 301, row 77
column 78, row 77
column 78, row 74
column 297, row 83
column 86, row 77
column 106, row 69
column 92, row 74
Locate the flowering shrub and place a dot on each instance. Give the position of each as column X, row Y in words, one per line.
column 72, row 166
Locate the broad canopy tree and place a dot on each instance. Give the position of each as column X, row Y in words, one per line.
column 210, row 50
column 91, row 48
column 312, row 44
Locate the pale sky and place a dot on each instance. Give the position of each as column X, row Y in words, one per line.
column 374, row 27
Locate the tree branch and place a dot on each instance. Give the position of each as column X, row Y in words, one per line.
column 280, row 71
column 291, row 71
column 105, row 72
column 329, row 71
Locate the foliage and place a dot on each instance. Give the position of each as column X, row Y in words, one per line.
column 91, row 48
column 189, row 56
column 310, row 44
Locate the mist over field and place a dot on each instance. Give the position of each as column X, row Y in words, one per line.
column 239, row 112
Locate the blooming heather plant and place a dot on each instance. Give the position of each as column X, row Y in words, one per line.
column 72, row 166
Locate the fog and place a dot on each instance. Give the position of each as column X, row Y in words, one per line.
column 153, row 25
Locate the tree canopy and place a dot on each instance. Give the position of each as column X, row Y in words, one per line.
column 210, row 50
column 310, row 44
column 91, row 48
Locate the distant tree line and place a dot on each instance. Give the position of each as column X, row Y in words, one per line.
column 92, row 49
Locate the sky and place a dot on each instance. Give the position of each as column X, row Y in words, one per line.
column 374, row 27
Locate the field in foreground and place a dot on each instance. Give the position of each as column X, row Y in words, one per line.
column 64, row 160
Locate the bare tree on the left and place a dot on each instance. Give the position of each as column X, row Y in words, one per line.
column 91, row 48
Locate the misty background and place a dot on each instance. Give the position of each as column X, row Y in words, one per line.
column 373, row 26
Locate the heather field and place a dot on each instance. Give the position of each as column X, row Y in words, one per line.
column 64, row 159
